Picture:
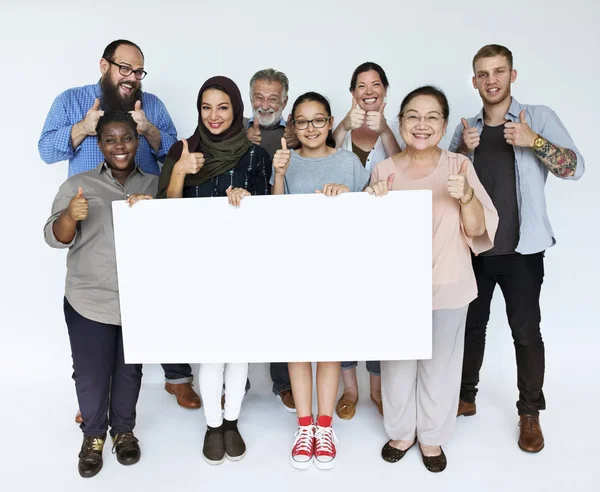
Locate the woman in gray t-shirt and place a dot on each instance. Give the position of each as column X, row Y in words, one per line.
column 316, row 167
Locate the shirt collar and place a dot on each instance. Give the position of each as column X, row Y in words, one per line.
column 282, row 122
column 104, row 167
column 513, row 111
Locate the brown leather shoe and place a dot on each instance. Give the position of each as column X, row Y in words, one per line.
column 186, row 396
column 531, row 438
column 345, row 409
column 78, row 417
column 287, row 398
column 465, row 408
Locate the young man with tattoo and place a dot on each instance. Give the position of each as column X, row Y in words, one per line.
column 513, row 146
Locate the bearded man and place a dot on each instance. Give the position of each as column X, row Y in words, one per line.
column 70, row 128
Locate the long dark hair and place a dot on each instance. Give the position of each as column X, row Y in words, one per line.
column 366, row 67
column 315, row 97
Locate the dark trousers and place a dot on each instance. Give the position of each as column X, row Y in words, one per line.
column 178, row 373
column 107, row 388
column 280, row 376
column 520, row 278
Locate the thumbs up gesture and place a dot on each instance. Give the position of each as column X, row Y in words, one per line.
column 290, row 134
column 281, row 159
column 376, row 120
column 138, row 115
column 470, row 136
column 90, row 122
column 519, row 134
column 253, row 132
column 189, row 162
column 458, row 185
column 355, row 117
column 78, row 207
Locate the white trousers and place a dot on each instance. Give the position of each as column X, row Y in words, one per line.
column 212, row 377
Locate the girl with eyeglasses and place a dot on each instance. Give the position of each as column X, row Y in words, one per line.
column 316, row 167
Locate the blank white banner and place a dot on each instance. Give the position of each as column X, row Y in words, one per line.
column 282, row 278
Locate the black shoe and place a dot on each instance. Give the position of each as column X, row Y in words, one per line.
column 126, row 446
column 434, row 464
column 393, row 455
column 235, row 447
column 90, row 456
column 214, row 446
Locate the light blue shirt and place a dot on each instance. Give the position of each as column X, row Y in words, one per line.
column 535, row 231
column 71, row 106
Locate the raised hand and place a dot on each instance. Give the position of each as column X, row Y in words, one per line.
column 290, row 134
column 458, row 185
column 78, row 207
column 519, row 134
column 138, row 115
column 189, row 162
column 470, row 136
column 281, row 159
column 355, row 117
column 90, row 122
column 382, row 187
column 235, row 195
column 253, row 133
column 376, row 120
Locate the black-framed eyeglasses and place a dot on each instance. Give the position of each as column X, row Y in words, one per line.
column 126, row 71
column 316, row 123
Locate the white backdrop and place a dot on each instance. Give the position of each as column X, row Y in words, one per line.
column 47, row 47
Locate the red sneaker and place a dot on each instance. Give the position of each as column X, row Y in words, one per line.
column 325, row 441
column 304, row 445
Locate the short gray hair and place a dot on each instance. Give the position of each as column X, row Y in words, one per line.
column 271, row 75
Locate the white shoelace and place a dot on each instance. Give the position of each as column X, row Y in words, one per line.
column 325, row 439
column 304, row 439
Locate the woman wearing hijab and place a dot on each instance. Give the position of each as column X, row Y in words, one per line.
column 218, row 160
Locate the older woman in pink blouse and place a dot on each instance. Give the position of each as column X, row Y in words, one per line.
column 420, row 397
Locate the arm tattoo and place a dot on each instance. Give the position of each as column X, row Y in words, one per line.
column 560, row 162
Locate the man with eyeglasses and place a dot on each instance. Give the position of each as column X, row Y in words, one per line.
column 70, row 128
column 269, row 96
column 513, row 146
column 70, row 134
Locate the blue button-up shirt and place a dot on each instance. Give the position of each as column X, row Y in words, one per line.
column 535, row 231
column 71, row 106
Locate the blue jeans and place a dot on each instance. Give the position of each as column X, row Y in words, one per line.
column 373, row 366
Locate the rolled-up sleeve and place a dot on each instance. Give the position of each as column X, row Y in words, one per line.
column 61, row 202
column 555, row 132
column 55, row 141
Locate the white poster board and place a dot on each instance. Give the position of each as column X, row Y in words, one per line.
column 282, row 278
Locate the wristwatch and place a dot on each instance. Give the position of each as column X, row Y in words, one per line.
column 538, row 143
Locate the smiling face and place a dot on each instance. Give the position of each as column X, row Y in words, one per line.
column 120, row 88
column 423, row 124
column 493, row 77
column 216, row 111
column 369, row 91
column 268, row 102
column 311, row 137
column 118, row 144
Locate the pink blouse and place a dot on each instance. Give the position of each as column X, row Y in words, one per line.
column 454, row 284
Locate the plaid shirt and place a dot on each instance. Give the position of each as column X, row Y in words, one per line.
column 71, row 106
